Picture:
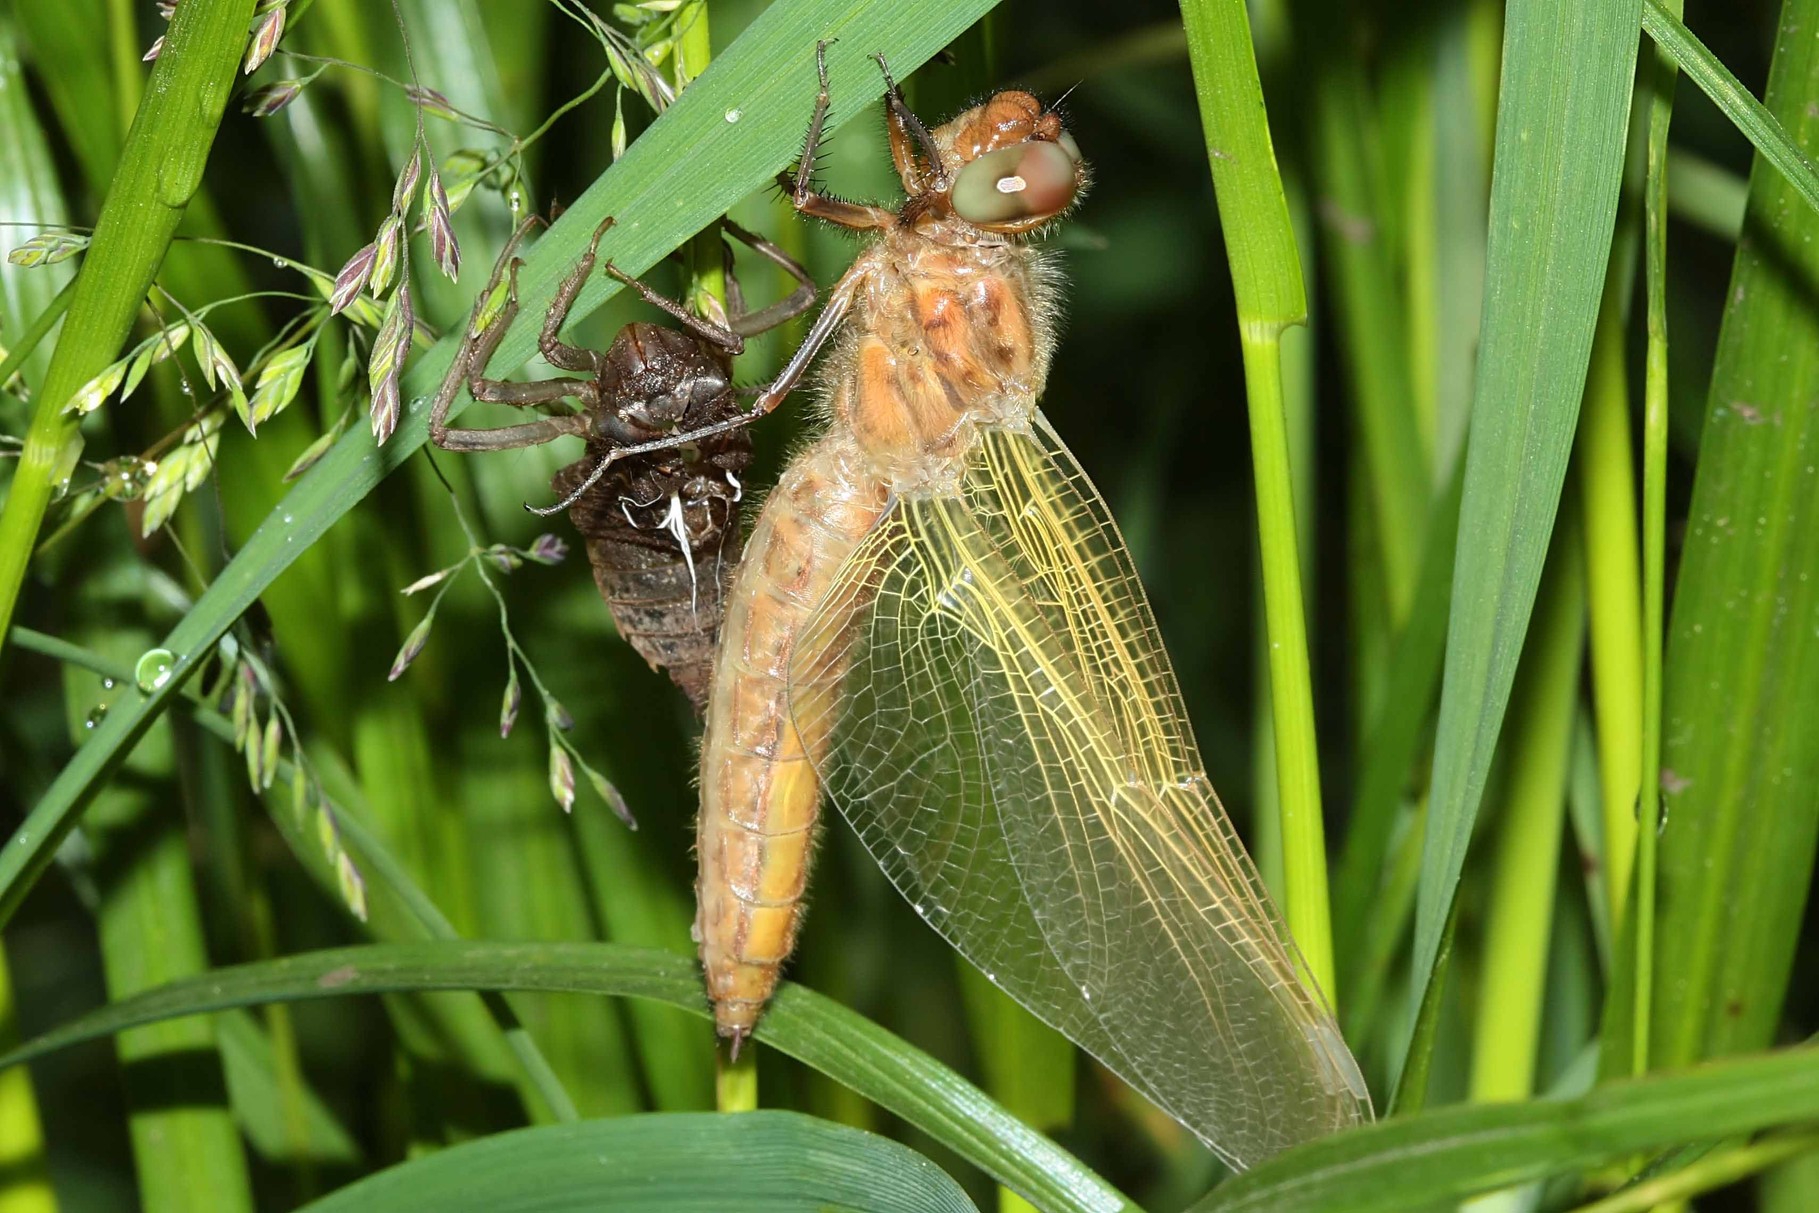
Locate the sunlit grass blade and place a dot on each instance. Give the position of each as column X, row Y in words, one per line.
column 687, row 168
column 764, row 1162
column 1512, row 991
column 1266, row 277
column 186, row 1146
column 1441, row 1157
column 160, row 169
column 400, row 910
column 801, row 1023
column 1562, row 118
column 1740, row 753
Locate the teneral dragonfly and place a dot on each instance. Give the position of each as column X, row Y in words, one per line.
column 663, row 526
column 938, row 629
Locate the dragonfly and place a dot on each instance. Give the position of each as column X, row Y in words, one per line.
column 937, row 628
column 663, row 530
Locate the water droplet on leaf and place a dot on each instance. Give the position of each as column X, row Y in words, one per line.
column 154, row 669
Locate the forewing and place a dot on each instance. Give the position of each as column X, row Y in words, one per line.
column 992, row 709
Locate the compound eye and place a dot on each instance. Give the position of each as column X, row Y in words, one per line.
column 1018, row 186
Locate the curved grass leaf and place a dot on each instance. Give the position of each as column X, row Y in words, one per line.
column 815, row 1030
column 723, row 138
column 1750, row 116
column 1438, row 1158
column 1561, row 123
column 761, row 1162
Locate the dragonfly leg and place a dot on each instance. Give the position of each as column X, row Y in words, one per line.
column 558, row 353
column 750, row 324
column 800, row 186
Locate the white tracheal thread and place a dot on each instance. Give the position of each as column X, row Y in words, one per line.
column 677, row 526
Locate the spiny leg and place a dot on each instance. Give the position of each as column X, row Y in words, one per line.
column 470, row 364
column 549, row 341
column 707, row 330
column 477, row 347
column 750, row 324
column 905, row 126
column 801, row 187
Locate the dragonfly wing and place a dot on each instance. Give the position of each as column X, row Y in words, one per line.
column 999, row 721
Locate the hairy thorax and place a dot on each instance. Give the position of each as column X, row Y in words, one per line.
column 948, row 337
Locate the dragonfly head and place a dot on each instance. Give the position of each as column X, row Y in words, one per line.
column 1006, row 166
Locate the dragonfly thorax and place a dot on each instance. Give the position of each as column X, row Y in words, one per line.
column 950, row 339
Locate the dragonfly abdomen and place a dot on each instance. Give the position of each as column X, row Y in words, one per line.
column 759, row 795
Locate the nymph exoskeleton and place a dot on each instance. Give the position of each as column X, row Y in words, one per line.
column 662, row 525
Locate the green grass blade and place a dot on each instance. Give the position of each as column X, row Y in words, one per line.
column 186, row 1147
column 1266, row 277
column 689, row 167
column 1706, row 195
column 67, row 38
column 1562, row 119
column 1750, row 116
column 1441, row 1157
column 1512, row 991
column 30, row 301
column 1370, row 312
column 1740, row 752
column 415, row 916
column 801, row 1023
column 1606, row 477
column 29, row 193
column 1394, row 738
column 761, row 1162
column 1641, row 989
column 26, row 1186
column 256, row 1081
column 159, row 171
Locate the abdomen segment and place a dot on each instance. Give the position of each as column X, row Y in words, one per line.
column 759, row 796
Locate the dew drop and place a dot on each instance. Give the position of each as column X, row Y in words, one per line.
column 281, row 263
column 734, row 115
column 517, row 202
column 287, row 520
column 154, row 669
column 922, row 909
column 95, row 716
column 107, row 684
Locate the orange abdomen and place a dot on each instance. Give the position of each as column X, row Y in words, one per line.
column 759, row 795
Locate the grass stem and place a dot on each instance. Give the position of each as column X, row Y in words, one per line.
column 1654, row 548
column 1266, row 278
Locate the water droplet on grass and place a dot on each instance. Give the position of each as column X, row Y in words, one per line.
column 154, row 669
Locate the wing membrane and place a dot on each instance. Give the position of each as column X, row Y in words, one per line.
column 1003, row 729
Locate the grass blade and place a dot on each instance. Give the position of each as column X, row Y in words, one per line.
column 1740, row 751
column 1441, row 1157
column 1513, row 988
column 159, row 171
column 801, row 1023
column 1266, row 276
column 764, row 1162
column 1756, row 120
column 1561, row 124
column 690, row 166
